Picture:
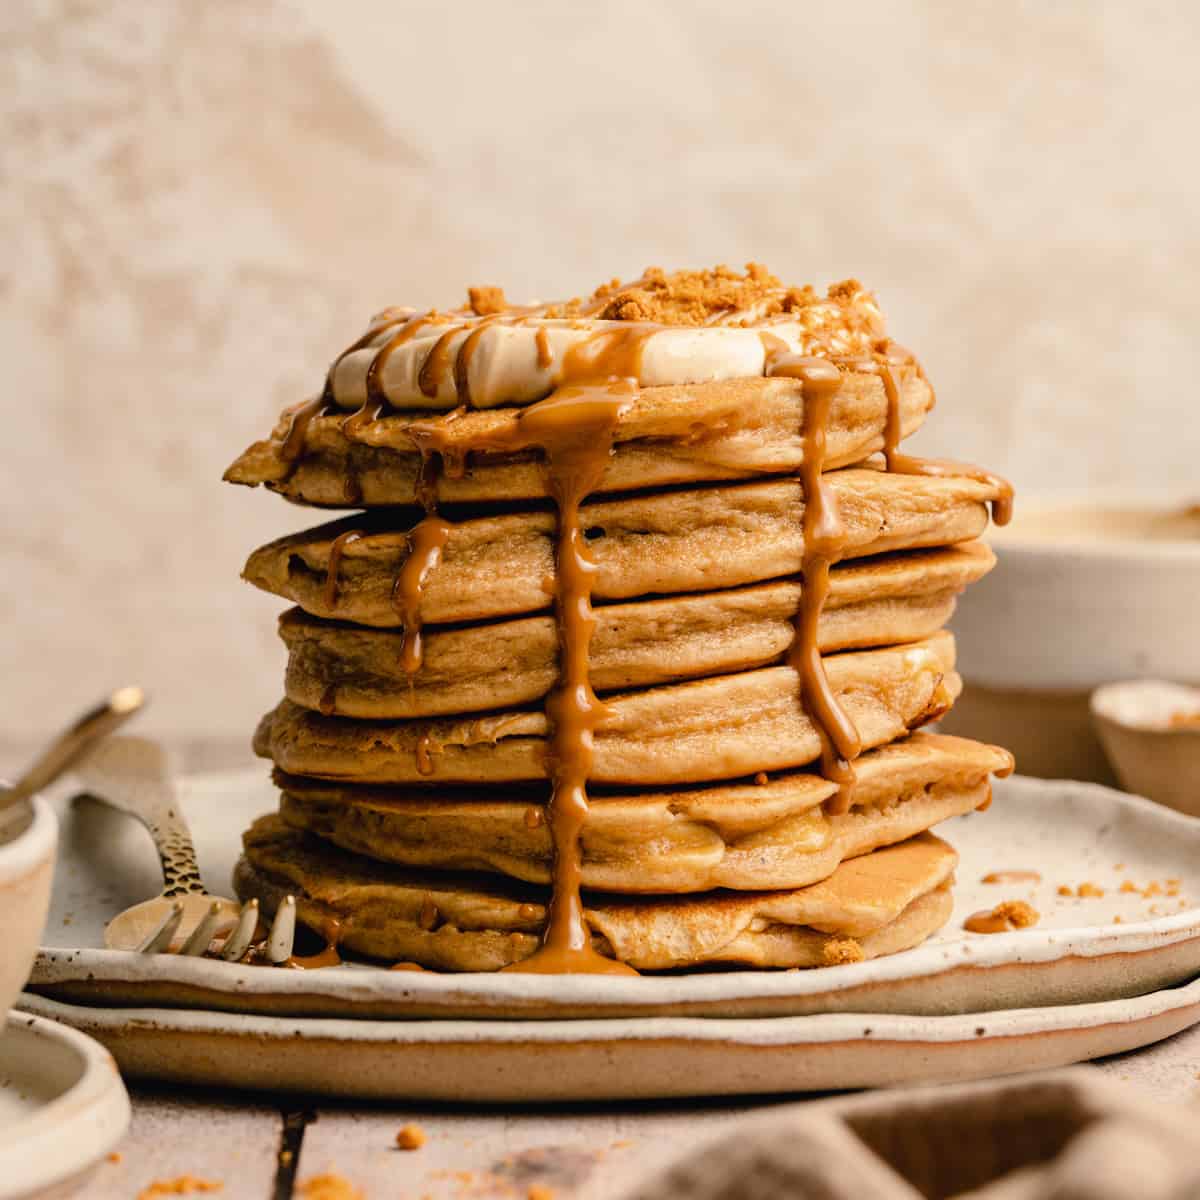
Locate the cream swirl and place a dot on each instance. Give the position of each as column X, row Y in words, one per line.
column 692, row 327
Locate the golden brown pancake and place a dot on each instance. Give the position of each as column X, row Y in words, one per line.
column 745, row 836
column 719, row 728
column 347, row 670
column 731, row 429
column 878, row 904
column 659, row 544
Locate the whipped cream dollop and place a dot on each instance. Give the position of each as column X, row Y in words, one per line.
column 687, row 328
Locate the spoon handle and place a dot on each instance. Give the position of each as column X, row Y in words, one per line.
column 130, row 774
column 74, row 741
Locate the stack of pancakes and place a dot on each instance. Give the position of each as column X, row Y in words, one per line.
column 622, row 663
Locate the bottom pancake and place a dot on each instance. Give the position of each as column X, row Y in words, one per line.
column 878, row 904
column 745, row 836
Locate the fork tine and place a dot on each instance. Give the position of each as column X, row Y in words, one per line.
column 282, row 937
column 160, row 938
column 238, row 942
column 202, row 935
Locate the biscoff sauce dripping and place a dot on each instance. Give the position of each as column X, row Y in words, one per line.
column 426, row 541
column 426, row 749
column 883, row 364
column 337, row 549
column 574, row 427
column 303, row 416
column 375, row 403
column 824, row 545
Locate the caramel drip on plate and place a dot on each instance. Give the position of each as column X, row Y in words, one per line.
column 1012, row 877
column 1004, row 918
column 426, row 541
column 336, row 550
column 331, row 934
column 824, row 545
column 883, row 365
column 987, row 921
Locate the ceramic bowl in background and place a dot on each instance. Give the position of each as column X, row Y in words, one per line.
column 1082, row 595
column 1151, row 733
column 27, row 844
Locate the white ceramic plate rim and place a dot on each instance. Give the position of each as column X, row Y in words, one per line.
column 66, row 1136
column 818, row 1028
column 58, row 965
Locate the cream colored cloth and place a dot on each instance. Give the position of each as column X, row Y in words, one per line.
column 1067, row 1135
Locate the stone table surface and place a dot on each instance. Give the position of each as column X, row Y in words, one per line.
column 261, row 1147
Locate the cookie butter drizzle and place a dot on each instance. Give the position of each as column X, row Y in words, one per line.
column 883, row 364
column 574, row 427
column 427, row 538
column 337, row 548
column 824, row 545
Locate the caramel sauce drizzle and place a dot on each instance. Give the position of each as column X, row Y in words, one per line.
column 824, row 545
column 337, row 549
column 574, row 427
column 883, row 364
column 303, row 416
column 426, row 540
column 426, row 749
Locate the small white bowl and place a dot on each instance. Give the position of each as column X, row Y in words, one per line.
column 27, row 844
column 1082, row 594
column 1151, row 732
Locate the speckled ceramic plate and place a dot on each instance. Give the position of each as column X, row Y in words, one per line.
column 1102, row 947
column 623, row 1059
column 62, row 1108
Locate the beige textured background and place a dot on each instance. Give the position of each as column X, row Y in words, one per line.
column 202, row 201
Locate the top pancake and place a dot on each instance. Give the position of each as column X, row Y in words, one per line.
column 727, row 430
column 694, row 540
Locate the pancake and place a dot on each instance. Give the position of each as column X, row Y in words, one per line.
column 719, row 728
column 743, row 836
column 350, row 671
column 729, row 429
column 878, row 904
column 664, row 543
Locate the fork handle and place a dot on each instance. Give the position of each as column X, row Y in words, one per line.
column 172, row 840
column 176, row 852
